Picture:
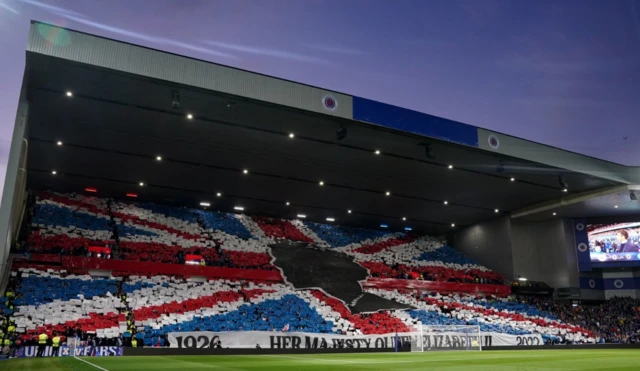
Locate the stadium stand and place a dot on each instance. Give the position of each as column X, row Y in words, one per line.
column 52, row 299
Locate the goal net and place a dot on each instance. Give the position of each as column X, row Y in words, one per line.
column 446, row 338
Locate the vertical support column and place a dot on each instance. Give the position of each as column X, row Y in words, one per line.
column 13, row 194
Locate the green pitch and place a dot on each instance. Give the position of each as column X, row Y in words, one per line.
column 533, row 360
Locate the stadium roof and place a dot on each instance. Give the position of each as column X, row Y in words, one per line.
column 110, row 104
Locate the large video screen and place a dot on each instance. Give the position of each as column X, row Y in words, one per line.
column 618, row 242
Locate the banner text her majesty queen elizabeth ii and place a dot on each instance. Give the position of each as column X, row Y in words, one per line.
column 303, row 340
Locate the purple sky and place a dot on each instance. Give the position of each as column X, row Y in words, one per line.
column 564, row 73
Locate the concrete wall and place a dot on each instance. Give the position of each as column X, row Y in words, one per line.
column 539, row 251
column 544, row 251
column 14, row 193
column 488, row 243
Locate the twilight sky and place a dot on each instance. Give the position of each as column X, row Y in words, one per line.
column 563, row 73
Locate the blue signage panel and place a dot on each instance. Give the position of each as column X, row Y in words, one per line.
column 582, row 245
column 414, row 122
column 591, row 283
column 623, row 283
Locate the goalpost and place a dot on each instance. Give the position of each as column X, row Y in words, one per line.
column 440, row 337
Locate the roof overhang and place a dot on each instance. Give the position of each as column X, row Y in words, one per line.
column 121, row 117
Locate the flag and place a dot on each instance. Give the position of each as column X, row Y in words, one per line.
column 285, row 328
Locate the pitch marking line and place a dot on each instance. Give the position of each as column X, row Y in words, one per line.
column 91, row 364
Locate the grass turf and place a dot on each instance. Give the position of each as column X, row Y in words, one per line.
column 531, row 360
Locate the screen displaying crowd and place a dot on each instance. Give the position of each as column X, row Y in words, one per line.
column 614, row 242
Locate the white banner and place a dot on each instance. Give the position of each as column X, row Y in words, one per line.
column 304, row 340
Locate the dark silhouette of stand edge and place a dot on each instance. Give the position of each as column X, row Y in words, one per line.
column 309, row 267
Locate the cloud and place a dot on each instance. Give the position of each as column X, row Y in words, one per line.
column 145, row 37
column 7, row 7
column 336, row 49
column 51, row 8
column 83, row 19
column 267, row 52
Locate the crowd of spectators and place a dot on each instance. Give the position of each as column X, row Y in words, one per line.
column 100, row 228
column 76, row 334
column 616, row 320
column 432, row 273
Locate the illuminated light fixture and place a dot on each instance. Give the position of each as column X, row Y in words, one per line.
column 453, row 224
column 288, row 203
column 292, row 135
column 331, row 220
column 92, row 190
column 377, row 152
column 245, row 171
column 446, row 202
column 615, row 207
column 239, row 208
column 205, row 204
column 158, row 158
column 69, row 94
column 522, row 279
column 59, row 143
column 189, row 116
column 513, row 179
column 384, row 226
column 408, row 228
column 132, row 195
column 141, row 184
column 450, row 166
column 554, row 214
column 387, row 193
column 321, row 183
column 403, row 218
column 301, row 216
column 348, row 211
column 218, row 194
column 496, row 211
column 565, row 190
column 54, row 172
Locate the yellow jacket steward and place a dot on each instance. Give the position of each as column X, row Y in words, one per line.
column 42, row 338
column 56, row 341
